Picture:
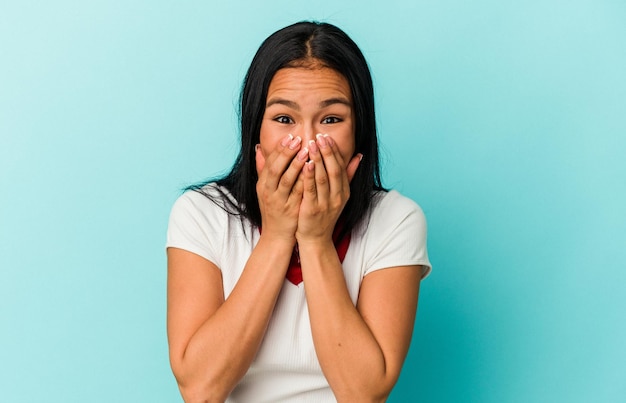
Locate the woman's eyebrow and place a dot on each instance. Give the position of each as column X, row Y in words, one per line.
column 282, row 101
column 332, row 101
column 295, row 106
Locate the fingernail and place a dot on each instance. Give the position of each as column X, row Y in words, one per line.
column 321, row 140
column 295, row 143
column 286, row 140
column 256, row 148
column 312, row 146
column 360, row 157
column 329, row 140
column 303, row 154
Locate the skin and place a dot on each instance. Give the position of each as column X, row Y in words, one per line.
column 303, row 186
column 314, row 107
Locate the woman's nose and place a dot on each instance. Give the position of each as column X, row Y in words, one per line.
column 308, row 133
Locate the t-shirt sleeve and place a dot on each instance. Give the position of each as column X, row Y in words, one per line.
column 194, row 225
column 397, row 235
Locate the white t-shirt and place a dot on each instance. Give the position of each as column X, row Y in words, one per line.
column 286, row 367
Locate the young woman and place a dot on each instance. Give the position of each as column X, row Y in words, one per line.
column 296, row 276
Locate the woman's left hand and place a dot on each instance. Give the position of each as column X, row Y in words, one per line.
column 326, row 189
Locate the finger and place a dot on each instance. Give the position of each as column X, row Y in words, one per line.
column 273, row 155
column 279, row 160
column 296, row 191
column 353, row 165
column 333, row 162
column 290, row 177
column 309, row 191
column 259, row 159
column 321, row 178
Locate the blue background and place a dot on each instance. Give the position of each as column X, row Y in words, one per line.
column 504, row 120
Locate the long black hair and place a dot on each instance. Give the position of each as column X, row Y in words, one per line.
column 301, row 44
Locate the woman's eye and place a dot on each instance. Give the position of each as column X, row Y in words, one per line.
column 331, row 119
column 284, row 120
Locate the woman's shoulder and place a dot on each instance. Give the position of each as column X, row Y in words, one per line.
column 198, row 222
column 392, row 210
column 392, row 203
column 207, row 200
column 396, row 233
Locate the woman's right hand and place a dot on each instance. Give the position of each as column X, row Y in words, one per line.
column 214, row 337
column 279, row 188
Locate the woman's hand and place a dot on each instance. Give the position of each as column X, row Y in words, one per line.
column 279, row 188
column 326, row 189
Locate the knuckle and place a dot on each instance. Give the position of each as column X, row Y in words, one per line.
column 273, row 170
column 336, row 204
column 327, row 152
column 287, row 151
column 260, row 187
column 284, row 182
column 322, row 180
column 333, row 171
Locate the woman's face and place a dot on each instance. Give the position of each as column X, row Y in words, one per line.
column 305, row 102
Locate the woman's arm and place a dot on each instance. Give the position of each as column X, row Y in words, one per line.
column 360, row 349
column 213, row 340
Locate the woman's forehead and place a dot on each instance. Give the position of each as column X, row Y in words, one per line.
column 304, row 81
